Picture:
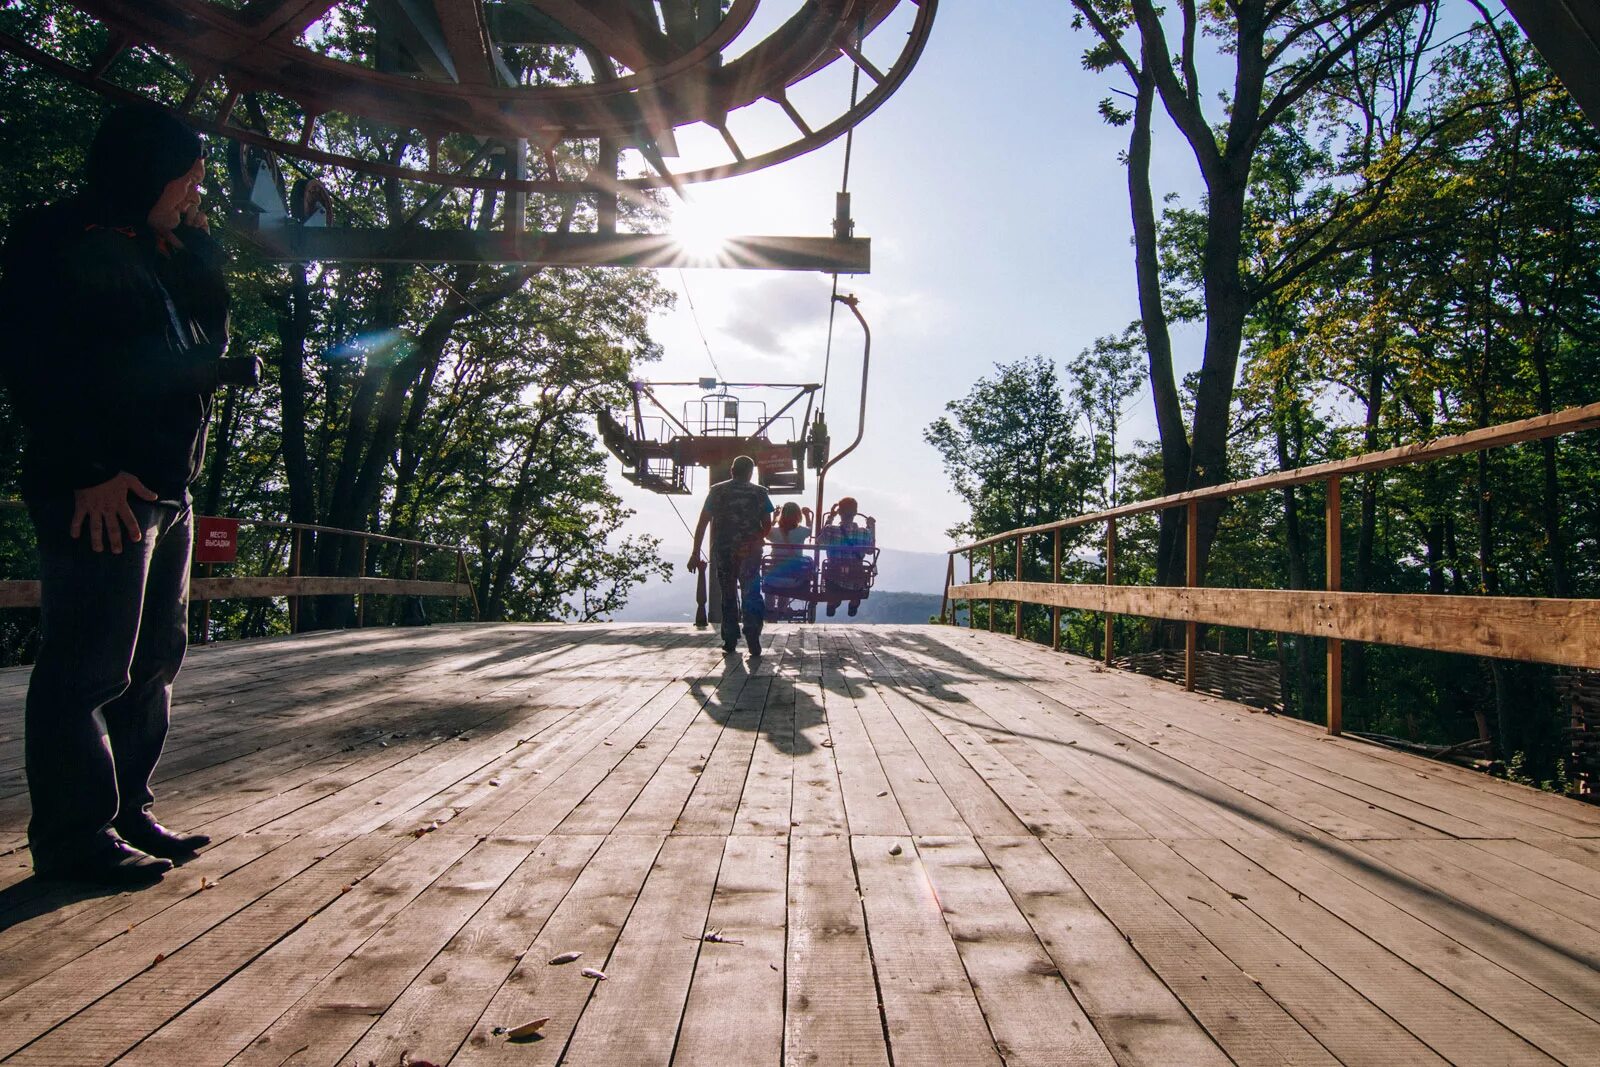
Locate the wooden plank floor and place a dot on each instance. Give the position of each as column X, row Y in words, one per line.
column 927, row 846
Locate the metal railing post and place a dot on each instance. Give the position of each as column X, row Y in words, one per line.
column 455, row 601
column 472, row 590
column 1111, row 579
column 1055, row 577
column 1191, row 530
column 294, row 572
column 991, row 583
column 205, row 611
column 1335, row 541
column 1016, row 605
column 972, row 614
column 361, row 572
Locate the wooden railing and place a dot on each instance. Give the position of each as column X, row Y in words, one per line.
column 205, row 587
column 1534, row 629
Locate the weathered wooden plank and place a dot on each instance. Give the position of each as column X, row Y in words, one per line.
column 1564, row 632
column 1339, row 1017
column 63, row 922
column 818, row 800
column 926, row 808
column 1030, row 1010
column 443, row 1004
column 715, row 800
column 1139, row 1018
column 831, row 994
column 767, row 800
column 1537, row 1016
column 142, row 992
column 343, row 1004
column 864, row 788
column 929, row 1006
column 734, row 1014
column 633, row 1016
column 233, row 1013
column 1245, row 1021
column 587, row 920
column 1380, row 970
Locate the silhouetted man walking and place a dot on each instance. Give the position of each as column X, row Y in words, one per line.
column 740, row 515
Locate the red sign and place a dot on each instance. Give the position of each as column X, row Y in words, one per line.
column 215, row 540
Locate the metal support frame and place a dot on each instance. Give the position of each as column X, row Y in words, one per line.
column 1191, row 531
column 292, row 243
column 1335, row 553
column 1016, row 613
column 1111, row 579
column 1055, row 576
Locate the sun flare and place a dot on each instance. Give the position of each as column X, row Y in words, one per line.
column 701, row 230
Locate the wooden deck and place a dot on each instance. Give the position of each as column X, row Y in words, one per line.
column 932, row 846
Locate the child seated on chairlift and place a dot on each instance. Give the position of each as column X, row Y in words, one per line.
column 844, row 572
column 792, row 566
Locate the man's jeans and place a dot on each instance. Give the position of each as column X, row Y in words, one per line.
column 739, row 576
column 113, row 632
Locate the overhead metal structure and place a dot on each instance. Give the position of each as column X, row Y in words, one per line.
column 1567, row 34
column 586, row 99
column 659, row 447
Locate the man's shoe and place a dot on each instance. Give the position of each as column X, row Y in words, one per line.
column 755, row 648
column 150, row 836
column 729, row 648
column 118, row 864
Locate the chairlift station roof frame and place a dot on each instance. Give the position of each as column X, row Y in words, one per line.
column 437, row 68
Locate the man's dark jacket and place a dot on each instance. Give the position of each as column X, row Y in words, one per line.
column 110, row 348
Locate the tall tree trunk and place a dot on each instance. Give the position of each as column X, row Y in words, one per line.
column 294, row 325
column 1174, row 437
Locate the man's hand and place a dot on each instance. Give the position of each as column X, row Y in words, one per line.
column 105, row 508
column 696, row 562
column 239, row 370
column 195, row 215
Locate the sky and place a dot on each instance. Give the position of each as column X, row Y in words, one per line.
column 998, row 214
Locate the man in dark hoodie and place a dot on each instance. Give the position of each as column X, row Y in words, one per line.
column 116, row 327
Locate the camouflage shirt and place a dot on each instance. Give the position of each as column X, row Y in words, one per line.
column 738, row 511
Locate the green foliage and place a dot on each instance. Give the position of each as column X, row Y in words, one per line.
column 1419, row 256
column 452, row 405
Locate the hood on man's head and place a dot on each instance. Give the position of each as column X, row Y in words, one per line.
column 138, row 149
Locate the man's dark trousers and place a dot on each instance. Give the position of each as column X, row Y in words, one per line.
column 739, row 576
column 113, row 634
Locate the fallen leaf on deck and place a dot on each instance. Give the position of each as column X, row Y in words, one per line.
column 895, row 849
column 528, row 1029
column 208, row 883
column 160, row 956
column 1237, row 896
column 714, row 935
column 827, row 743
column 591, row 972
column 495, row 782
column 565, row 957
column 883, row 792
column 428, row 829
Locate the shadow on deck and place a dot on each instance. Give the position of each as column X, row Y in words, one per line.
column 932, row 844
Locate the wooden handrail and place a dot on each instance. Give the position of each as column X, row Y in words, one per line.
column 1564, row 632
column 277, row 524
column 1537, row 428
column 294, row 585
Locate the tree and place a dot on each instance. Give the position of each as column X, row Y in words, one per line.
column 1281, row 51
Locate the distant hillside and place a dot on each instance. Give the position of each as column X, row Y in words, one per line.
column 907, row 591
